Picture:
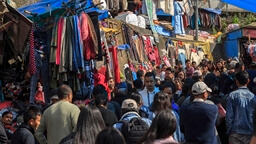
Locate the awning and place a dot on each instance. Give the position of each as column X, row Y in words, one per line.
column 44, row 8
column 249, row 5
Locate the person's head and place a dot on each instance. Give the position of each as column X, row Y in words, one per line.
column 129, row 105
column 178, row 83
column 163, row 126
column 161, row 102
column 167, row 88
column 65, row 93
column 242, row 78
column 138, row 84
column 54, row 95
column 140, row 74
column 239, row 67
column 89, row 125
column 32, row 117
column 188, row 63
column 136, row 97
column 164, row 67
column 99, row 89
column 253, row 65
column 210, row 64
column 158, row 69
column 200, row 90
column 219, row 65
column 111, row 84
column 150, row 81
column 197, row 76
column 181, row 75
column 110, row 135
column 205, row 69
column 169, row 73
column 179, row 65
column 101, row 100
column 7, row 118
column 206, row 56
column 194, row 64
column 122, row 88
column 198, row 68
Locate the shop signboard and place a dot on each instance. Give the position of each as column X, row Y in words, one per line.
column 249, row 33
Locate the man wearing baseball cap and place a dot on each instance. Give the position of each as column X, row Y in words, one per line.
column 198, row 118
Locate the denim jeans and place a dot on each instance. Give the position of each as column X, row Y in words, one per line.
column 41, row 68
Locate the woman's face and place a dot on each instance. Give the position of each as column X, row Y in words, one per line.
column 219, row 65
column 209, row 66
column 181, row 75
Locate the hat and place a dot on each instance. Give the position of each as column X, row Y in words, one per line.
column 129, row 104
column 197, row 73
column 253, row 64
column 55, row 97
column 199, row 88
column 122, row 85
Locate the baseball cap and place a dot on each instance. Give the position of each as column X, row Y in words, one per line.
column 197, row 73
column 129, row 104
column 55, row 97
column 253, row 64
column 199, row 88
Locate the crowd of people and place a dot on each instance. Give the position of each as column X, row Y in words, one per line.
column 209, row 103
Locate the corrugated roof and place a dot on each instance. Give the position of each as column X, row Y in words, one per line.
column 214, row 4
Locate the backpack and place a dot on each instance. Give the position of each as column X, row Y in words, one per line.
column 134, row 129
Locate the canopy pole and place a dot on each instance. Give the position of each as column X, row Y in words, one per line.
column 196, row 21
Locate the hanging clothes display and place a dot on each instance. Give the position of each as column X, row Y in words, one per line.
column 89, row 37
column 95, row 22
column 151, row 12
column 178, row 21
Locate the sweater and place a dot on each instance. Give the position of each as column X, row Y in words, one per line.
column 59, row 120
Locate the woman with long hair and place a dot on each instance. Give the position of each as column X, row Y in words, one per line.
column 161, row 129
column 90, row 123
column 110, row 135
column 161, row 102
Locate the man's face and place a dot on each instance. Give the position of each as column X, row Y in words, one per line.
column 34, row 123
column 164, row 68
column 168, row 75
column 194, row 65
column 111, row 84
column 149, row 83
column 188, row 64
column 158, row 70
column 169, row 92
column 181, row 75
column 7, row 119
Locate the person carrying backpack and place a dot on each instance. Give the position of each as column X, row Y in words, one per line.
column 131, row 125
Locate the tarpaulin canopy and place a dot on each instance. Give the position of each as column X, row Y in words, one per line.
column 249, row 5
column 46, row 7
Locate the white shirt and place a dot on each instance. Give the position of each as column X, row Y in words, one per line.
column 162, row 76
column 148, row 97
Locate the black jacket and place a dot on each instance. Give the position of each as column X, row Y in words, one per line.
column 23, row 135
column 3, row 136
column 108, row 116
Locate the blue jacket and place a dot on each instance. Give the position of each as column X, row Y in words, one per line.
column 197, row 122
column 239, row 111
column 127, row 117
